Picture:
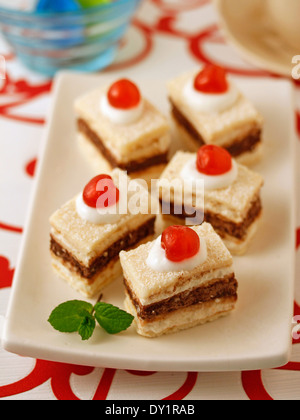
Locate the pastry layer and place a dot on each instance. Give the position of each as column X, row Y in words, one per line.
column 86, row 287
column 232, row 203
column 131, row 239
column 86, row 241
column 100, row 164
column 131, row 166
column 215, row 128
column 245, row 140
column 183, row 318
column 144, row 138
column 221, row 224
column 214, row 289
column 239, row 247
column 149, row 286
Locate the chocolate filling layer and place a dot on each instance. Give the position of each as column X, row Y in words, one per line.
column 129, row 241
column 240, row 146
column 216, row 289
column 130, row 167
column 221, row 225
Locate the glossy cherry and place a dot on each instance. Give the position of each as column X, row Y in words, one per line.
column 212, row 79
column 101, row 192
column 213, row 160
column 124, row 94
column 180, row 243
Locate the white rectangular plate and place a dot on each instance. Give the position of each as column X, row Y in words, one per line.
column 256, row 336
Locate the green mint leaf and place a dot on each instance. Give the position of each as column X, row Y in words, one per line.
column 87, row 327
column 112, row 319
column 92, row 3
column 70, row 316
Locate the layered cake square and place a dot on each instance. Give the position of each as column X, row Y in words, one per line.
column 89, row 231
column 230, row 198
column 182, row 279
column 208, row 108
column 118, row 127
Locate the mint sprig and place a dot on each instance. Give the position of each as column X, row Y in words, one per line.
column 79, row 316
column 112, row 319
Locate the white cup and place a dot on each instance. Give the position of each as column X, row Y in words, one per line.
column 285, row 17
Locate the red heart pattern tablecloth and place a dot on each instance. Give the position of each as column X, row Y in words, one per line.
column 165, row 35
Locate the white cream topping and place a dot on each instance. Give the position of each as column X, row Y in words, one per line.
column 207, row 102
column 121, row 116
column 158, row 261
column 98, row 216
column 211, row 182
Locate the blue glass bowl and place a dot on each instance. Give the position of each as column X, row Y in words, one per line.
column 84, row 40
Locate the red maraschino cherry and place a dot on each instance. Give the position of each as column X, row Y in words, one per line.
column 180, row 243
column 124, row 94
column 212, row 79
column 213, row 160
column 101, row 192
